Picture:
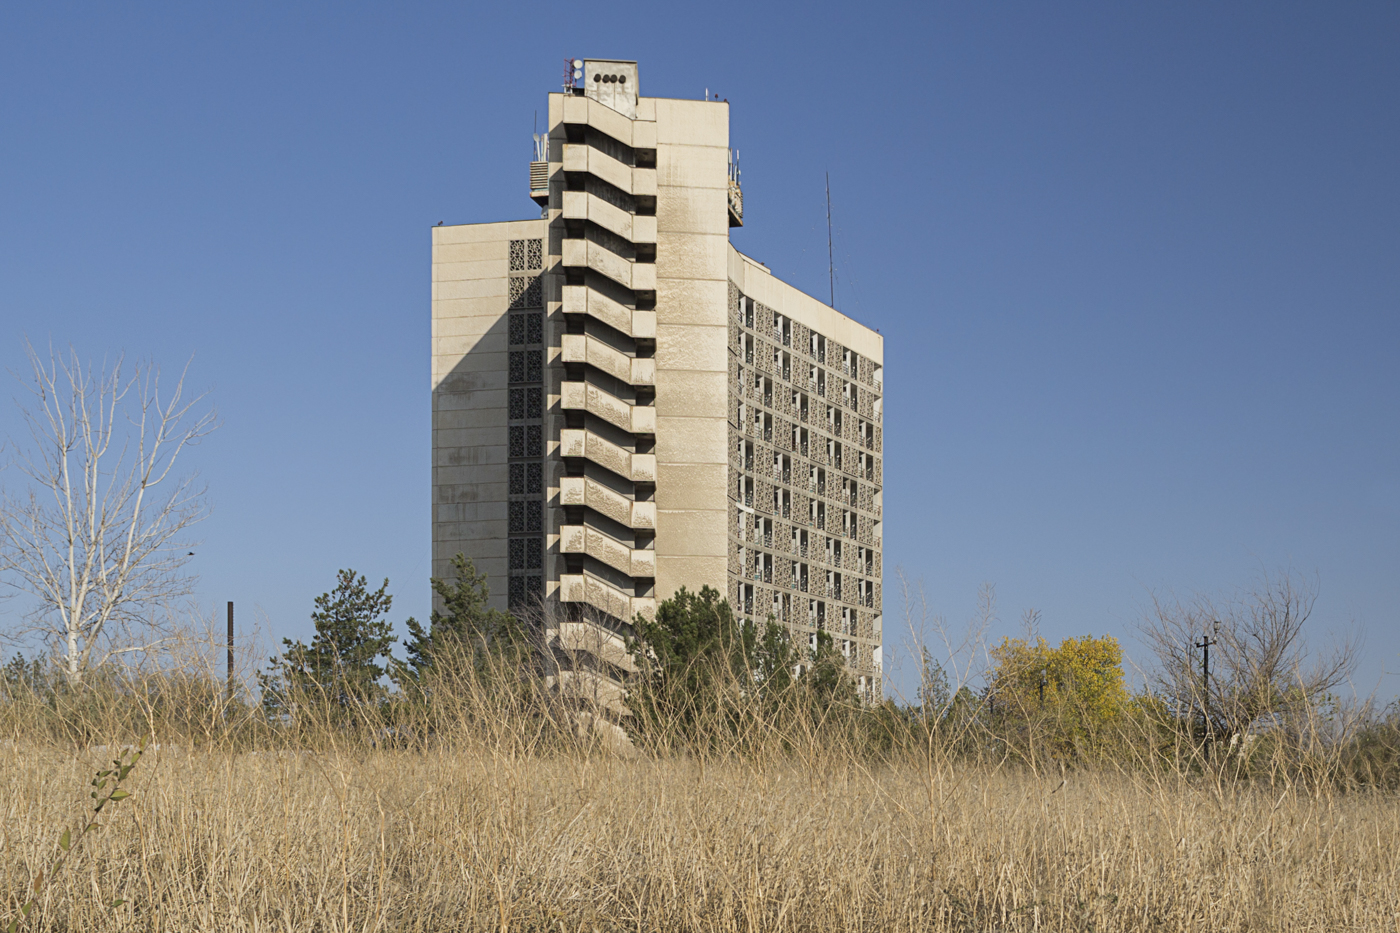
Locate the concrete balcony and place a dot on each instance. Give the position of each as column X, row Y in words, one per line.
column 580, row 490
column 580, row 157
column 603, row 596
column 585, row 254
column 581, row 396
column 594, row 639
column 580, row 205
column 591, row 689
column 580, row 299
column 581, row 348
column 639, row 468
column 582, row 539
column 584, row 111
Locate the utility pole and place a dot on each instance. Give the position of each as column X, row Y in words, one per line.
column 830, row 255
column 230, row 651
column 1204, row 644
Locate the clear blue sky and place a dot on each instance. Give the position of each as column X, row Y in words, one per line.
column 1136, row 266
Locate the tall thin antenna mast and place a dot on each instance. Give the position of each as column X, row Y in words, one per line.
column 830, row 256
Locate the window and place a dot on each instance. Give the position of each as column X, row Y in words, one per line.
column 526, row 479
column 526, row 553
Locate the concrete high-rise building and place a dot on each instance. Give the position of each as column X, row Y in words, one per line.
column 624, row 403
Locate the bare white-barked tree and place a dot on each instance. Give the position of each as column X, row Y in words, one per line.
column 96, row 529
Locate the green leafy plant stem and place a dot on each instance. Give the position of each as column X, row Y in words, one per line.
column 106, row 788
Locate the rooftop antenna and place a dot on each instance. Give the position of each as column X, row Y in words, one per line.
column 830, row 255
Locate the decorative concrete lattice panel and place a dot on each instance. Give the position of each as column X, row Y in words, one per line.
column 526, row 328
column 526, row 292
column 525, row 517
column 526, row 255
column 763, row 319
column 525, row 589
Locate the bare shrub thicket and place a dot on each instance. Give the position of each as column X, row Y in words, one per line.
column 1265, row 670
column 1273, row 701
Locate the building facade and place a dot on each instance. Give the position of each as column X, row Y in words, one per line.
column 624, row 404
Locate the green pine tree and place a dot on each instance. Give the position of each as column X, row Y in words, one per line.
column 693, row 649
column 826, row 677
column 466, row 627
column 696, row 658
column 341, row 665
column 700, row 666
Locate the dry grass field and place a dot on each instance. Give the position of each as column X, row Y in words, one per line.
column 482, row 839
column 477, row 805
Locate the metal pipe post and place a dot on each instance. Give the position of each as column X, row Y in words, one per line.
column 1204, row 645
column 230, row 650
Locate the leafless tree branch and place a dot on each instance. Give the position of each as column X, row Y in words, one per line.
column 97, row 533
column 1262, row 668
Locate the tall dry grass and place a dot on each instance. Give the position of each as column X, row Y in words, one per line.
column 480, row 808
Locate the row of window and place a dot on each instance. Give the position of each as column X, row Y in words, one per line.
column 807, row 377
column 753, row 531
column 758, row 603
column 792, row 435
column 795, row 575
column 788, row 333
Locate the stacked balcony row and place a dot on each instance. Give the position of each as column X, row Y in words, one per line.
column 604, row 192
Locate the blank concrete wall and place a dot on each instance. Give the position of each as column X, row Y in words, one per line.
column 692, row 221
column 471, row 268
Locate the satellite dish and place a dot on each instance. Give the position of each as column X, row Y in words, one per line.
column 578, row 73
column 578, row 63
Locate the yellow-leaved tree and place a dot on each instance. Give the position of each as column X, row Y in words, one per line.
column 1059, row 703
